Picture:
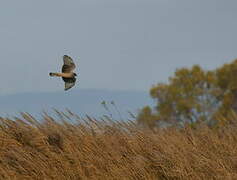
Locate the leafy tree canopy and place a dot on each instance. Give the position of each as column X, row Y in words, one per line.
column 193, row 95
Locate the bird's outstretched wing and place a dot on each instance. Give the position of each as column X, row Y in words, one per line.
column 68, row 65
column 69, row 83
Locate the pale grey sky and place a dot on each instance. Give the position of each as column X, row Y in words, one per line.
column 122, row 44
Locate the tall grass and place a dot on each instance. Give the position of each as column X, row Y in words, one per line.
column 105, row 149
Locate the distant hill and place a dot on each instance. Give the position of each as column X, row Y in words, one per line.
column 82, row 102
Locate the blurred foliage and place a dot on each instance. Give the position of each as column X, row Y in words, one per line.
column 146, row 118
column 193, row 95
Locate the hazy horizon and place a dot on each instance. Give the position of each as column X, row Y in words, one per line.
column 79, row 101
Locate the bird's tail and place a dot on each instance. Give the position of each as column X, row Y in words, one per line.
column 66, row 75
column 53, row 74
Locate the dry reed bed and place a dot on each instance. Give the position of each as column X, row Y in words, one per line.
column 94, row 149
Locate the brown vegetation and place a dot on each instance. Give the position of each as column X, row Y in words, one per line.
column 93, row 149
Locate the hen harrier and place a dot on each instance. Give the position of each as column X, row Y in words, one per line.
column 68, row 76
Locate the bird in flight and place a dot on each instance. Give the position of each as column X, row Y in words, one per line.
column 68, row 76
